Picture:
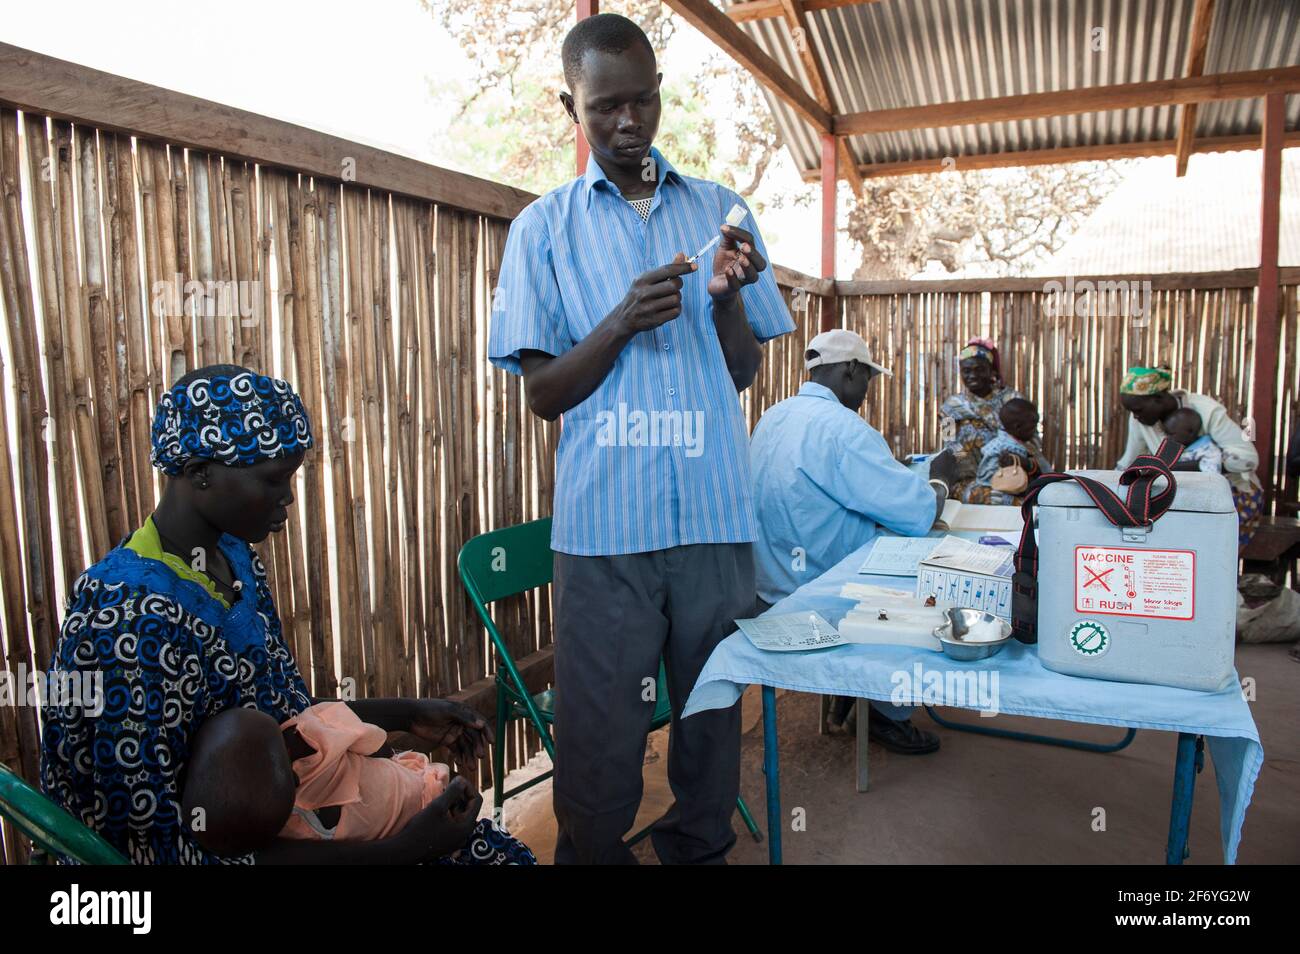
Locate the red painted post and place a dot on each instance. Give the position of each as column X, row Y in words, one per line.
column 830, row 183
column 1263, row 403
column 586, row 8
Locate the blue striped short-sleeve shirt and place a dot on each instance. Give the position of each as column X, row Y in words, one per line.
column 657, row 456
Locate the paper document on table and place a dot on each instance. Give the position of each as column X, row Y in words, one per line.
column 955, row 553
column 897, row 556
column 959, row 516
column 790, row 632
column 950, row 510
column 869, row 591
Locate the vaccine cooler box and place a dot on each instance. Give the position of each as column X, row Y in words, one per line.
column 1154, row 604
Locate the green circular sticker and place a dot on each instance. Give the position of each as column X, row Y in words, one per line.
column 1089, row 638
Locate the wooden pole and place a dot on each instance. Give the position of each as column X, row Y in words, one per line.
column 1213, row 88
column 586, row 8
column 801, row 29
column 355, row 222
column 30, row 403
column 1054, row 157
column 403, row 466
column 78, row 348
column 1264, row 396
column 308, row 335
column 431, row 445
column 1202, row 17
column 62, row 448
column 830, row 181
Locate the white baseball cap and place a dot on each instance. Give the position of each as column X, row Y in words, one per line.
column 839, row 345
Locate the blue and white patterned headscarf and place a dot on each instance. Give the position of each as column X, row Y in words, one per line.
column 233, row 419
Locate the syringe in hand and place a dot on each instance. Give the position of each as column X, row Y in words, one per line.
column 734, row 218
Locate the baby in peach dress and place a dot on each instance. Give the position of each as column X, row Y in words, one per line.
column 323, row 774
column 340, row 762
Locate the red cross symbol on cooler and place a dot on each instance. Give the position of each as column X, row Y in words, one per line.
column 1095, row 577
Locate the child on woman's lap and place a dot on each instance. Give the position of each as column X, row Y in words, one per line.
column 323, row 774
column 1016, row 443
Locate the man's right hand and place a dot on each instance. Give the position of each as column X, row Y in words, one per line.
column 442, row 827
column 655, row 297
column 556, row 383
column 943, row 466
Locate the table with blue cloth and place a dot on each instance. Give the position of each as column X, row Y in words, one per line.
column 1221, row 719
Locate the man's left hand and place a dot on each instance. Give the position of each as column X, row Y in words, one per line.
column 442, row 724
column 943, row 466
column 736, row 263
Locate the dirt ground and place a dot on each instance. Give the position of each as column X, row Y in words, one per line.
column 985, row 800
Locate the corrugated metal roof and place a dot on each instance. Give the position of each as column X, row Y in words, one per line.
column 899, row 53
column 1155, row 222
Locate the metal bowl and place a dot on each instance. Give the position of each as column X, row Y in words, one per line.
column 962, row 647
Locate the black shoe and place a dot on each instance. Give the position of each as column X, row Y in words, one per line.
column 837, row 717
column 901, row 737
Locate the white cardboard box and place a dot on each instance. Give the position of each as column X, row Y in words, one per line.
column 989, row 591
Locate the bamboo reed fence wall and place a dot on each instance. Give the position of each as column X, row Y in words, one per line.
column 373, row 303
column 1201, row 326
column 373, row 296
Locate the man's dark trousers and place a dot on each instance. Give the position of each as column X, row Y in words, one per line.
column 615, row 616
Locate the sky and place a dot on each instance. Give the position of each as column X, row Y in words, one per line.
column 364, row 73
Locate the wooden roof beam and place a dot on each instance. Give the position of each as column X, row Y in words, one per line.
column 801, row 35
column 715, row 25
column 770, row 9
column 1047, row 157
column 41, row 84
column 1093, row 99
column 1202, row 16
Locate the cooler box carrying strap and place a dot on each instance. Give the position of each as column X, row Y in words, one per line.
column 1140, row 508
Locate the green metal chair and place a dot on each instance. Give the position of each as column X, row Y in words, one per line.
column 50, row 828
column 488, row 576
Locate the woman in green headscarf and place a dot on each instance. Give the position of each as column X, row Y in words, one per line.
column 1149, row 395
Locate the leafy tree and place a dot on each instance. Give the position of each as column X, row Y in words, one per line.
column 505, row 123
column 1008, row 220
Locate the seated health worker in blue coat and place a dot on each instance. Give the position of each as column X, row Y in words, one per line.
column 825, row 482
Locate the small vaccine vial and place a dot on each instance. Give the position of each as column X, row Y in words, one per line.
column 734, row 218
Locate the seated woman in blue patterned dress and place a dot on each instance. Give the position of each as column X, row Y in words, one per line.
column 179, row 621
column 969, row 420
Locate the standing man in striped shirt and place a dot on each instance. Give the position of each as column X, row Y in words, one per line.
column 643, row 353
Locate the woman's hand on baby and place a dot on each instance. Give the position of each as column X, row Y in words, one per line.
column 442, row 724
column 444, row 826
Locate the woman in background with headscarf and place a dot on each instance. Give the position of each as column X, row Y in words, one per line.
column 969, row 420
column 179, row 623
column 1149, row 395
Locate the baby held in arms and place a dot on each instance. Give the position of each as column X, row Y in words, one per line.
column 1184, row 426
column 1012, row 459
column 323, row 774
